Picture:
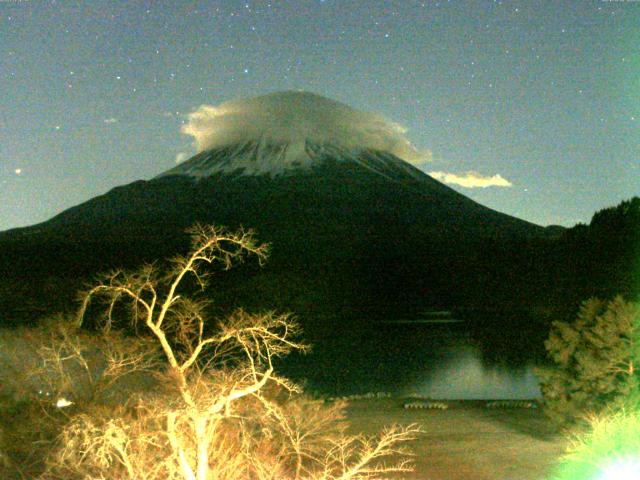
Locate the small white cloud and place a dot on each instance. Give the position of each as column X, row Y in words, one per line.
column 471, row 179
column 181, row 157
column 111, row 120
column 18, row 171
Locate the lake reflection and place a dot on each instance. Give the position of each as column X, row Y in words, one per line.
column 440, row 361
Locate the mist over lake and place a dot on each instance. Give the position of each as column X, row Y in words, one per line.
column 439, row 360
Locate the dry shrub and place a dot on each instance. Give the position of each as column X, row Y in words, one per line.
column 260, row 439
column 213, row 407
column 609, row 449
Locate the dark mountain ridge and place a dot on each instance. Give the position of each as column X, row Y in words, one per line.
column 356, row 231
column 359, row 233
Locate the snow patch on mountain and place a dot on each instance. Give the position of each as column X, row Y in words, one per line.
column 263, row 157
column 247, row 158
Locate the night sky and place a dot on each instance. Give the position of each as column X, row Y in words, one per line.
column 545, row 94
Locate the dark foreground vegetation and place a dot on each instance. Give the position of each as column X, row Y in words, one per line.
column 592, row 389
column 140, row 383
column 328, row 269
column 152, row 390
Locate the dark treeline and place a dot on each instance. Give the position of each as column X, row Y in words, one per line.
column 601, row 259
column 554, row 275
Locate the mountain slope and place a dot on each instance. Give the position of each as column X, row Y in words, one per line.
column 356, row 230
column 366, row 232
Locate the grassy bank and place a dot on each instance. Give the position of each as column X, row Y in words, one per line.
column 468, row 441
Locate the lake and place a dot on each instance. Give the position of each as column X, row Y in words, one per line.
column 442, row 359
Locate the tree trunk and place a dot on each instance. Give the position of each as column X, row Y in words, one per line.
column 203, row 448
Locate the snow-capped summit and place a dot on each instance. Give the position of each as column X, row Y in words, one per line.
column 283, row 159
column 274, row 133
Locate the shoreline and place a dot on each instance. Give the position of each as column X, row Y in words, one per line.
column 467, row 441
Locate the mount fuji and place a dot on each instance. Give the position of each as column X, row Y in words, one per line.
column 356, row 229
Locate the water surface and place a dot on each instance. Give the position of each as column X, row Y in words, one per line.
column 439, row 360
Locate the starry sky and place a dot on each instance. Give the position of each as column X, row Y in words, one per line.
column 536, row 104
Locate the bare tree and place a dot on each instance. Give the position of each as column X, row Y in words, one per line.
column 218, row 409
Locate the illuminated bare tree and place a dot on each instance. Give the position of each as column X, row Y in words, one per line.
column 217, row 410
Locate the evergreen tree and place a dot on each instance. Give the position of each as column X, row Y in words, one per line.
column 596, row 360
